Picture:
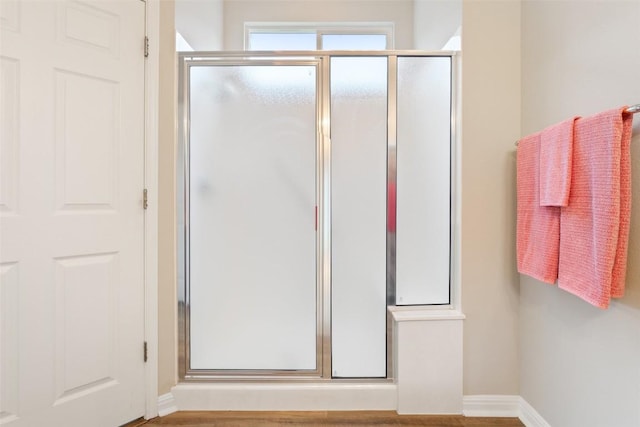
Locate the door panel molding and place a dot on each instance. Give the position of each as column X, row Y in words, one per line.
column 77, row 234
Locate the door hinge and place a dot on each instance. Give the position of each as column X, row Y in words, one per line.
column 145, row 352
column 145, row 199
column 146, row 47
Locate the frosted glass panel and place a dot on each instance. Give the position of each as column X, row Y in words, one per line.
column 359, row 156
column 252, row 217
column 423, row 168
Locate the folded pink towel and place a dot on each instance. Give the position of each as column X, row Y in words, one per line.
column 538, row 227
column 595, row 224
column 556, row 151
column 620, row 263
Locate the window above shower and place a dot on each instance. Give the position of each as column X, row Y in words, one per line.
column 267, row 36
column 221, row 25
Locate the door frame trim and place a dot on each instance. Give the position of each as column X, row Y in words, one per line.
column 151, row 81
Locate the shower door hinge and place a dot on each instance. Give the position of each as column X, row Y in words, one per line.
column 145, row 356
column 145, row 199
column 146, row 47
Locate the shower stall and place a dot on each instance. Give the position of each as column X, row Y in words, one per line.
column 314, row 192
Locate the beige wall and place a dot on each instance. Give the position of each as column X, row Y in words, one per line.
column 580, row 366
column 490, row 126
column 166, row 203
column 434, row 22
column 200, row 23
column 237, row 12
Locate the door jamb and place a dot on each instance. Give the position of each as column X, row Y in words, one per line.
column 151, row 80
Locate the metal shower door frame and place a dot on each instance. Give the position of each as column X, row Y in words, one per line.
column 321, row 60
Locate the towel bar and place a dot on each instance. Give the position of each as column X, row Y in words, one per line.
column 630, row 110
column 633, row 109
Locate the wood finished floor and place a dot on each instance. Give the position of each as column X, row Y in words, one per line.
column 318, row 419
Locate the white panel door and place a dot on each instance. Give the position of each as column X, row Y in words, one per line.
column 71, row 243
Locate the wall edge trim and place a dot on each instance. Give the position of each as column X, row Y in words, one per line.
column 530, row 417
column 491, row 406
column 473, row 406
column 166, row 404
column 496, row 405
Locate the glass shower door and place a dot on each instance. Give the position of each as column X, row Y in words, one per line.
column 252, row 217
column 317, row 190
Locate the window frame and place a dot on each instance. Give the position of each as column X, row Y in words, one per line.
column 320, row 29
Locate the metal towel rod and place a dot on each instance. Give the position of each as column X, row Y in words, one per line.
column 630, row 110
column 633, row 109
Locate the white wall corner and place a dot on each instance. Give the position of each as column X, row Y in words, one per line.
column 530, row 417
column 167, row 405
column 491, row 406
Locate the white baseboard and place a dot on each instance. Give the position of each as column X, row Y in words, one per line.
column 491, row 406
column 286, row 396
column 502, row 406
column 328, row 397
column 166, row 405
column 530, row 417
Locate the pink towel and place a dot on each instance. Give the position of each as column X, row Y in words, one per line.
column 595, row 224
column 538, row 228
column 556, row 151
column 620, row 263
